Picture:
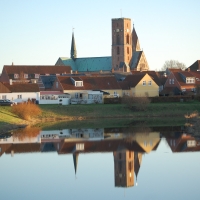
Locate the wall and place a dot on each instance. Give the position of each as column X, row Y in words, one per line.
column 25, row 96
column 148, row 90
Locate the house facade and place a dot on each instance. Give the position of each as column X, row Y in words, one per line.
column 183, row 82
column 19, row 92
column 141, row 85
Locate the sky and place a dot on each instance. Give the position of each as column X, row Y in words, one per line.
column 39, row 32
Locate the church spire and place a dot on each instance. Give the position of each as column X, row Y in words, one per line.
column 135, row 41
column 75, row 159
column 73, row 48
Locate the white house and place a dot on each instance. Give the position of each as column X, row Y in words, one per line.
column 19, row 92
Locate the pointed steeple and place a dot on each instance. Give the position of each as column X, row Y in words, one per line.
column 75, row 158
column 137, row 163
column 73, row 48
column 135, row 41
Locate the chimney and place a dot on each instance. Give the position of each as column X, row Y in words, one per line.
column 10, row 81
column 188, row 69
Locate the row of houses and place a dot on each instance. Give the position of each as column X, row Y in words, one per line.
column 60, row 85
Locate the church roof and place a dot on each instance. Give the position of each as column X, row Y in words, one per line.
column 92, row 64
column 136, row 59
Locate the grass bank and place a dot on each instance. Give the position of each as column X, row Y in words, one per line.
column 100, row 115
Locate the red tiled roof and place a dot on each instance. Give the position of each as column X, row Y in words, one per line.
column 22, row 87
column 37, row 69
column 77, row 78
column 153, row 75
column 175, row 69
column 3, row 88
column 182, row 83
column 194, row 67
column 134, row 79
column 186, row 74
column 90, row 83
column 124, row 85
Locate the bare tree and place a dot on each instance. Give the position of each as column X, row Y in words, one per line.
column 173, row 64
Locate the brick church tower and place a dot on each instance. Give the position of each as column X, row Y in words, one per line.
column 126, row 53
column 121, row 44
column 124, row 167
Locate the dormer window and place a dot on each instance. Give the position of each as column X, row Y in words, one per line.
column 77, row 82
column 25, row 75
column 16, row 75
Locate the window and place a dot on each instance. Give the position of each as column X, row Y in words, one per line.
column 80, row 147
column 16, row 75
column 144, row 83
column 37, row 75
column 79, row 83
column 25, row 75
column 127, row 39
column 3, row 96
column 19, row 96
column 76, row 95
column 118, row 39
column 118, row 52
column 56, row 84
column 149, row 83
column 127, row 50
column 183, row 90
column 170, row 81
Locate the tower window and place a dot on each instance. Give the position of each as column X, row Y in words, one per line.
column 127, row 50
column 127, row 39
column 118, row 39
column 118, row 52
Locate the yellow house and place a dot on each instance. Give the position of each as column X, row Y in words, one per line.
column 140, row 85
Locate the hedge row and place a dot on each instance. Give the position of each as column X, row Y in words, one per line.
column 162, row 99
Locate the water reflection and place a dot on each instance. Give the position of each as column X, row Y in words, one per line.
column 128, row 145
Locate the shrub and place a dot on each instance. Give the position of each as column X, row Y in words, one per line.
column 26, row 110
column 136, row 103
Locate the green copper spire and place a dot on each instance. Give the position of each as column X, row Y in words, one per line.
column 73, row 48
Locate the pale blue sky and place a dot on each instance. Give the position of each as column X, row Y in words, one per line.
column 38, row 32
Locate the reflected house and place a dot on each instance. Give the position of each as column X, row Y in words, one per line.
column 20, row 143
column 183, row 143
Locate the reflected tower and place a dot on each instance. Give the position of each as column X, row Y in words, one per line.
column 124, row 168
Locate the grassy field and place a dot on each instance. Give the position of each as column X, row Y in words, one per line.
column 100, row 115
column 118, row 110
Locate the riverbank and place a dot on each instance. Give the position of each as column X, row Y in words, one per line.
column 109, row 114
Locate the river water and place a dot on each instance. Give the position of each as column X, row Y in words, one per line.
column 102, row 163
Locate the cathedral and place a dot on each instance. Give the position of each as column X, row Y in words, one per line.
column 126, row 56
